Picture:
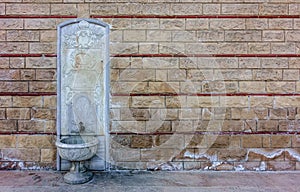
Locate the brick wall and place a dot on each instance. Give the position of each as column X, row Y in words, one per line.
column 211, row 84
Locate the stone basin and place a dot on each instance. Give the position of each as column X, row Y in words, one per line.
column 77, row 148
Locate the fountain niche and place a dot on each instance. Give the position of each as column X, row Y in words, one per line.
column 82, row 100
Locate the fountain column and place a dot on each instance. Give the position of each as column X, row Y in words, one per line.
column 83, row 85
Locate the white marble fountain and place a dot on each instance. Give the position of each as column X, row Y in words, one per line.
column 82, row 100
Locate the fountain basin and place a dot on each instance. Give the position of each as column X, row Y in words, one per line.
column 77, row 148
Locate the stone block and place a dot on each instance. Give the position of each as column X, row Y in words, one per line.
column 31, row 125
column 283, row 48
column 123, row 48
column 157, row 154
column 257, row 23
column 48, row 36
column 27, row 101
column 287, row 101
column 5, row 101
column 18, row 113
column 193, row 113
column 40, row 24
column 291, row 75
column 128, row 126
column 196, row 24
column 281, row 87
column 4, row 62
column 239, row 9
column 125, row 154
column 294, row 63
column 186, row 9
column 49, row 48
column 148, row 48
column 9, row 74
column 129, row 87
column 202, row 48
column 49, row 102
column 220, row 141
column 134, row 35
column 164, row 87
column 252, row 113
column 7, row 141
column 228, row 48
column 22, row 154
column 36, row 141
column 41, row 86
column 234, row 101
column 48, row 155
column 172, row 24
column 259, row 48
column 175, row 101
column 245, row 35
column 190, row 87
column 281, row 141
column 134, row 114
column 149, row 101
column 16, row 62
column 281, row 166
column 273, row 35
column 184, row 36
column 40, row 62
column 64, row 9
column 200, row 75
column 227, row 24
column 103, row 9
column 251, row 141
column 39, row 113
column 141, row 141
column 159, row 35
column 212, row 35
column 160, row 63
column 8, row 125
column 267, row 74
column 145, row 23
column 273, row 9
column 202, row 101
column 252, row 87
column 11, row 24
column 281, row 24
column 232, row 154
column 24, row 35
column 12, row 47
column 211, row 9
column 267, row 125
column 27, row 9
column 8, row 86
column 28, row 75
column 48, row 74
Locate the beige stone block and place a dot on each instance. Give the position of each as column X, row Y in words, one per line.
column 119, row 24
column 190, row 87
column 31, row 125
column 233, row 74
column 283, row 48
column 212, row 35
column 267, row 125
column 129, row 87
column 9, row 86
column 196, row 24
column 18, row 113
column 171, row 48
column 229, row 48
column 119, row 62
column 159, row 35
column 292, row 101
column 248, row 62
column 186, row 9
column 2, row 9
column 7, row 141
column 294, row 9
column 161, row 75
column 176, row 101
column 164, row 87
column 4, row 63
column 27, row 9
column 116, row 36
column 36, row 141
column 6, row 101
column 241, row 9
column 202, row 101
column 11, row 23
column 28, row 75
column 42, row 48
column 40, row 24
column 48, row 36
column 48, row 155
column 64, row 9
column 246, row 35
column 137, row 75
column 130, row 114
column 123, row 48
column 275, row 63
column 281, row 141
column 280, row 23
column 234, row 101
column 273, row 35
column 120, row 101
column 268, row 74
column 295, row 140
column 126, row 154
column 24, row 35
column 293, row 36
column 48, row 74
column 184, row 36
column 227, row 24
column 273, row 9
column 146, row 8
column 156, row 154
column 252, row 141
column 11, row 47
column 2, row 113
column 159, row 124
column 192, row 113
column 200, row 75
column 40, row 86
column 294, row 63
column 2, row 35
column 22, row 154
column 16, row 62
column 231, row 155
column 9, row 74
column 257, row 23
column 144, row 23
column 291, row 75
column 160, row 63
column 296, row 23
column 252, row 87
column 183, row 126
column 259, row 48
column 211, row 9
column 177, row 75
column 149, row 101
column 278, row 113
column 245, row 113
column 201, row 48
column 134, row 35
column 148, row 48
column 261, row 101
column 40, row 113
column 128, row 126
column 83, row 10
column 40, row 62
column 172, row 24
column 103, row 9
column 8, row 125
column 281, row 87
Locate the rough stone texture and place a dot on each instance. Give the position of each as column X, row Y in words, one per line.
column 170, row 109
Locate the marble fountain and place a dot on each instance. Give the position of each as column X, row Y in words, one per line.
column 82, row 99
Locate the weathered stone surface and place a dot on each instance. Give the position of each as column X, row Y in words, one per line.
column 21, row 154
column 48, row 155
column 141, row 141
column 36, row 141
column 7, row 141
column 27, row 101
column 38, row 113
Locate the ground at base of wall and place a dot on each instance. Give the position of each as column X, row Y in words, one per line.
column 26, row 181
